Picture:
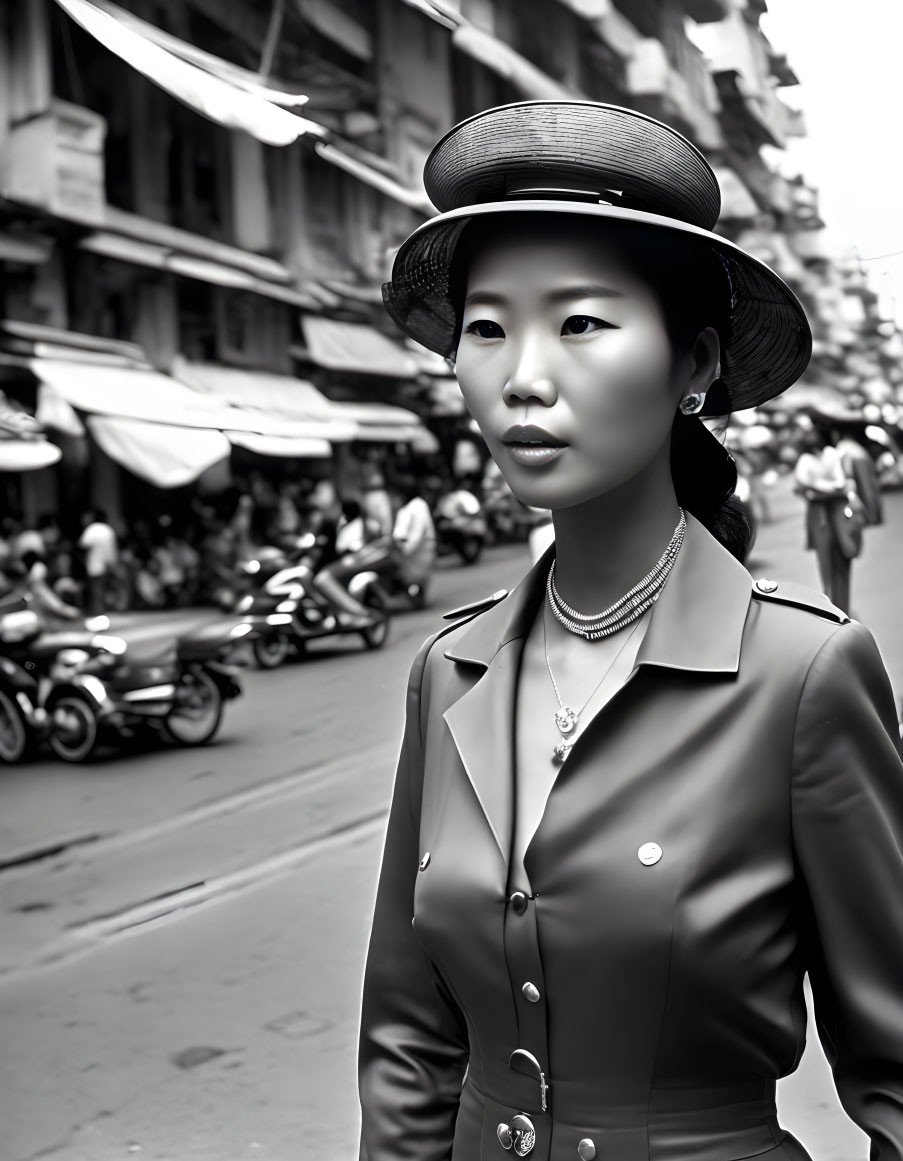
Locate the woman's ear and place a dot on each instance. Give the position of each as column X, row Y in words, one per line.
column 704, row 364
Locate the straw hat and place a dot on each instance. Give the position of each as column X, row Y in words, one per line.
column 598, row 161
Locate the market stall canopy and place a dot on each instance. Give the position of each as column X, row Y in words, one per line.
column 283, row 406
column 220, row 100
column 345, row 346
column 165, row 455
column 125, row 393
column 281, row 446
column 284, row 400
column 383, row 423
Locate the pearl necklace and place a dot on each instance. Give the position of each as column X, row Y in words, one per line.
column 633, row 604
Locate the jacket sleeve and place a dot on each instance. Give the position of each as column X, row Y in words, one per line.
column 413, row 1043
column 848, row 833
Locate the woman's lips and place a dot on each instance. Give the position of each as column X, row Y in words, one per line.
column 531, row 445
column 534, row 455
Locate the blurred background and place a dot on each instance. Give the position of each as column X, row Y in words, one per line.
column 204, row 412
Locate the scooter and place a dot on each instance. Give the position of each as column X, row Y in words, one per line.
column 105, row 696
column 285, row 611
column 21, row 717
column 31, row 656
column 464, row 533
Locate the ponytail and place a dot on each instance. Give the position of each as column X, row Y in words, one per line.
column 705, row 475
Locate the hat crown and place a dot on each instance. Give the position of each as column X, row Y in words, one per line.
column 573, row 150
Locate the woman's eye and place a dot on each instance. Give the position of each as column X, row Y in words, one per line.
column 583, row 324
column 483, row 328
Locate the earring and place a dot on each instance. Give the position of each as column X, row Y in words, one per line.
column 692, row 404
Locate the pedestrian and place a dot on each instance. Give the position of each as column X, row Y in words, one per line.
column 835, row 514
column 413, row 535
column 619, row 839
column 100, row 549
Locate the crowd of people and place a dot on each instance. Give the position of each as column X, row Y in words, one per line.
column 191, row 556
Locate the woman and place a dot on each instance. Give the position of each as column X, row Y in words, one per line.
column 835, row 514
column 624, row 836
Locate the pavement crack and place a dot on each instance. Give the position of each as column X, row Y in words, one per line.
column 39, row 854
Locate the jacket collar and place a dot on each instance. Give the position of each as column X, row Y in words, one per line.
column 696, row 624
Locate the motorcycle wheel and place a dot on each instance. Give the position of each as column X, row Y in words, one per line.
column 13, row 731
column 74, row 730
column 198, row 712
column 470, row 549
column 270, row 652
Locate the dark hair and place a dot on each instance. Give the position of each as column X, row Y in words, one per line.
column 693, row 291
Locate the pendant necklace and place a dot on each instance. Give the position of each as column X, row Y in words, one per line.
column 632, row 605
column 566, row 718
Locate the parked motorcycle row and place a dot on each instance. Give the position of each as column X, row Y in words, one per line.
column 75, row 690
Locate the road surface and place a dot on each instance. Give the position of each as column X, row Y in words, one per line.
column 183, row 931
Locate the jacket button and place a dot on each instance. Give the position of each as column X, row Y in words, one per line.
column 425, row 861
column 519, row 902
column 586, row 1150
column 505, row 1136
column 649, row 853
column 766, row 586
column 531, row 992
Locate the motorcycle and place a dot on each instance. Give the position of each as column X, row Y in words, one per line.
column 463, row 533
column 21, row 717
column 102, row 695
column 28, row 655
column 285, row 611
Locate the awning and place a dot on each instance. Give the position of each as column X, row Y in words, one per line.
column 166, row 455
column 123, row 248
column 128, row 394
column 27, row 455
column 493, row 53
column 344, row 346
column 500, row 58
column 279, row 405
column 416, row 199
column 296, row 408
column 226, row 70
column 219, row 100
column 280, row 446
column 30, row 251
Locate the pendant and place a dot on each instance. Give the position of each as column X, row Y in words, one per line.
column 566, row 719
column 562, row 750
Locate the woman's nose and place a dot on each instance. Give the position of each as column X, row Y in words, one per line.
column 530, row 380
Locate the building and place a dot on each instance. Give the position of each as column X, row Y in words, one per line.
column 199, row 200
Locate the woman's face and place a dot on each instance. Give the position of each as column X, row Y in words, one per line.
column 566, row 366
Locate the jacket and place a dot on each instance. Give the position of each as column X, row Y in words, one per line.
column 730, row 820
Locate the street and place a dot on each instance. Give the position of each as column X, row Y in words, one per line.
column 184, row 931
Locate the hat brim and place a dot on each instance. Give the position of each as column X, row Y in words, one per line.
column 770, row 344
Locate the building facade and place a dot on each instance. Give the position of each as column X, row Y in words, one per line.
column 172, row 215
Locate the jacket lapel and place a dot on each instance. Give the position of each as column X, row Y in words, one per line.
column 481, row 721
column 696, row 624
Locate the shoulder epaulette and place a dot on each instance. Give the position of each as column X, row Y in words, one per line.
column 800, row 597
column 476, row 607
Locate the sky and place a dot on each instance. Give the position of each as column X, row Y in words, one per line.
column 849, row 59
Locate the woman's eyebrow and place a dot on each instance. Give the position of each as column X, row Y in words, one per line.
column 586, row 290
column 485, row 298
